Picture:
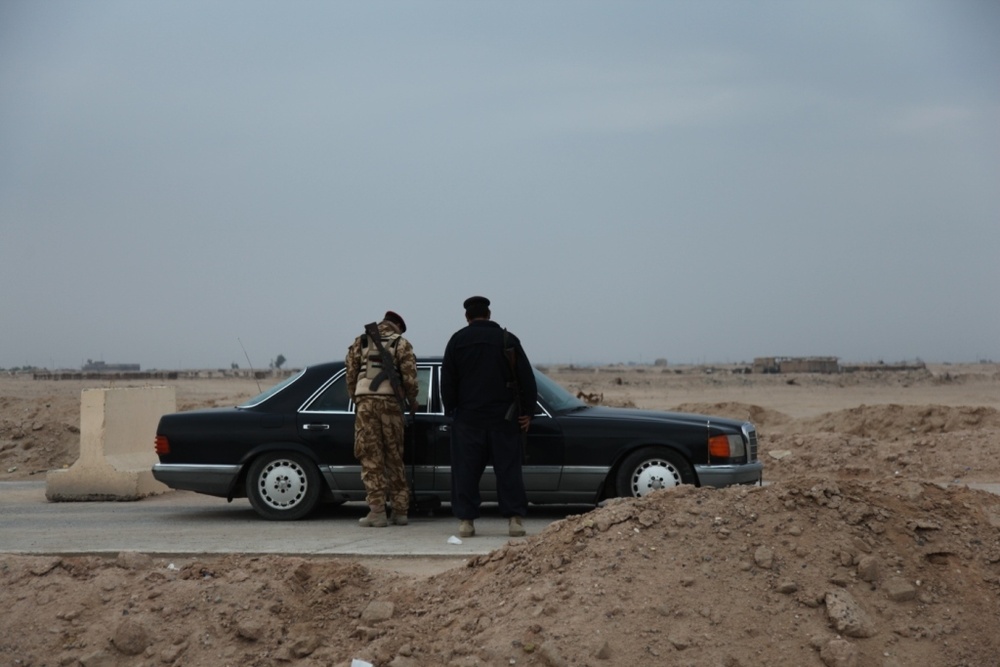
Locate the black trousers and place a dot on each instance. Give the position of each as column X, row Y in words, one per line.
column 472, row 447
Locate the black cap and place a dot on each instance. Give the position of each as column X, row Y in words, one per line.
column 395, row 319
column 477, row 306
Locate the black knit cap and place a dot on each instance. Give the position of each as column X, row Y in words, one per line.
column 395, row 319
column 477, row 306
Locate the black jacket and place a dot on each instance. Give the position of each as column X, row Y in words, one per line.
column 476, row 378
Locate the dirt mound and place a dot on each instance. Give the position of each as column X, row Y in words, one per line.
column 808, row 571
column 891, row 421
column 947, row 377
column 38, row 434
column 925, row 442
column 687, row 576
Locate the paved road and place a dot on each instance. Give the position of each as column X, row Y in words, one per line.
column 181, row 522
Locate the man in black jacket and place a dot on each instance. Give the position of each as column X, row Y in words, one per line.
column 488, row 387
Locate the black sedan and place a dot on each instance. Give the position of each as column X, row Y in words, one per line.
column 292, row 447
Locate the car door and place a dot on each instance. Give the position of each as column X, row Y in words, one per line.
column 326, row 423
column 544, row 456
column 418, row 448
column 543, row 460
column 432, row 438
column 543, row 453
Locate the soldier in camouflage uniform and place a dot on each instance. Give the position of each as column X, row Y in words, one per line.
column 378, row 420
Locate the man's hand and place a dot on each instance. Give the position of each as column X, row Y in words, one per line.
column 524, row 421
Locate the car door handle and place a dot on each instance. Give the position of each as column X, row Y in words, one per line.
column 444, row 428
column 316, row 427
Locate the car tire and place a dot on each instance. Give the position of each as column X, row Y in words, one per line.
column 650, row 469
column 283, row 486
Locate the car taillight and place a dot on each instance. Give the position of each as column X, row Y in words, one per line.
column 726, row 447
column 162, row 445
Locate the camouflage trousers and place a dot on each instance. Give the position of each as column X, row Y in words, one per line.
column 378, row 445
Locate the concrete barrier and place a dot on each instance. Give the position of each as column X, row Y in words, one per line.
column 117, row 430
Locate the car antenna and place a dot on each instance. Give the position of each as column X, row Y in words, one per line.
column 250, row 364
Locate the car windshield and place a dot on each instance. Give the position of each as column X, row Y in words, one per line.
column 268, row 393
column 554, row 396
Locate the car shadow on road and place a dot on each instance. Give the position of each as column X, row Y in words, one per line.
column 443, row 511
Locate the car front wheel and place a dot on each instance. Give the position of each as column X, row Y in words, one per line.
column 650, row 469
column 283, row 486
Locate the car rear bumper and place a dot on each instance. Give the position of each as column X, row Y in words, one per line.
column 212, row 480
column 720, row 476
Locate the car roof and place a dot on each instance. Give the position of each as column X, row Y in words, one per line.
column 334, row 365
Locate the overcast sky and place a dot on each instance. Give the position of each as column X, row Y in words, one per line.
column 701, row 181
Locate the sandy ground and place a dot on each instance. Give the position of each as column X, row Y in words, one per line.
column 865, row 549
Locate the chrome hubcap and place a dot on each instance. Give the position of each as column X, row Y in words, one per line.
column 653, row 475
column 282, row 484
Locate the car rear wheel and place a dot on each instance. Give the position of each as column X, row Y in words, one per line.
column 283, row 486
column 650, row 469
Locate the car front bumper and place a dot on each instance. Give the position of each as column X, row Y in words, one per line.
column 720, row 476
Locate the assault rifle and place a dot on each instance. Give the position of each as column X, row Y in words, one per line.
column 388, row 371
column 514, row 411
column 510, row 354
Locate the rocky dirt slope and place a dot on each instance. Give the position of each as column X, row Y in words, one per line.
column 806, row 572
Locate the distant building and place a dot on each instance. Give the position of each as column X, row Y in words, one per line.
column 101, row 367
column 796, row 365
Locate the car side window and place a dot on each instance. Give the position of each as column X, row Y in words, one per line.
column 424, row 384
column 333, row 399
